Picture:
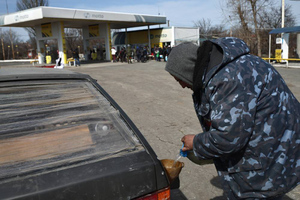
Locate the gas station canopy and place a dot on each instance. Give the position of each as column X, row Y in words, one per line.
column 76, row 18
column 294, row 29
column 49, row 23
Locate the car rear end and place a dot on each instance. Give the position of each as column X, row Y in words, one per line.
column 63, row 137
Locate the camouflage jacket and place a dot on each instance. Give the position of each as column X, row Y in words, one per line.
column 251, row 125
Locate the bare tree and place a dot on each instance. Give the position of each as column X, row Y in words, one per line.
column 255, row 9
column 241, row 11
column 270, row 19
column 247, row 12
column 207, row 30
column 8, row 38
column 204, row 26
column 236, row 13
column 27, row 4
column 74, row 38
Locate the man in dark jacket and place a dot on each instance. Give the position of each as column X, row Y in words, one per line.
column 250, row 118
column 76, row 57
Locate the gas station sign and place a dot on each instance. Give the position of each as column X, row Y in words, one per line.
column 278, row 41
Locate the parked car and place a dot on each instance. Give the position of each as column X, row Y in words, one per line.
column 63, row 137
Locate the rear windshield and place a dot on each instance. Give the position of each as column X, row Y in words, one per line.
column 48, row 124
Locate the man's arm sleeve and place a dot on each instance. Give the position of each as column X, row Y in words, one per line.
column 232, row 117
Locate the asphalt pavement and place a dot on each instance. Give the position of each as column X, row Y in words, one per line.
column 164, row 112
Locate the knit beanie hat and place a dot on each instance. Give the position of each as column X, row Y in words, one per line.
column 181, row 61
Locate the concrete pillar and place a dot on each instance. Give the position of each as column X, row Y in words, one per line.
column 198, row 31
column 41, row 51
column 270, row 42
column 173, row 37
column 298, row 45
column 58, row 27
column 40, row 44
column 86, row 46
column 149, row 40
column 285, row 46
column 86, row 43
column 126, row 38
column 107, row 39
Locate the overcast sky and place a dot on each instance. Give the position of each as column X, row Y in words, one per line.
column 181, row 13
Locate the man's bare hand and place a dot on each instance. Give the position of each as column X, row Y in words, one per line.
column 188, row 142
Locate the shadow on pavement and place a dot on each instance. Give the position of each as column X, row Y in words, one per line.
column 285, row 197
column 176, row 194
column 218, row 183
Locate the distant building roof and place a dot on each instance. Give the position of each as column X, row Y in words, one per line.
column 294, row 29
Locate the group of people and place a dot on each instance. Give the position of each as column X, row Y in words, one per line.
column 97, row 54
column 140, row 54
column 161, row 53
column 128, row 54
column 93, row 55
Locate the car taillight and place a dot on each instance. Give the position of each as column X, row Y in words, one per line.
column 163, row 194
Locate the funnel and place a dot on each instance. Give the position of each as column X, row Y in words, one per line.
column 173, row 170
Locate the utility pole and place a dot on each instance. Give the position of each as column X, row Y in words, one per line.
column 282, row 26
column 282, row 14
column 10, row 36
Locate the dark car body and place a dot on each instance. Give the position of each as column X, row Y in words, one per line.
column 63, row 137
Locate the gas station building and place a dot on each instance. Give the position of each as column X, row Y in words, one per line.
column 50, row 22
column 161, row 37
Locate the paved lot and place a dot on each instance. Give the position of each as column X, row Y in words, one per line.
column 164, row 112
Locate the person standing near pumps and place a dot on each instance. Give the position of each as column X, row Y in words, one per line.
column 250, row 118
column 113, row 53
column 76, row 57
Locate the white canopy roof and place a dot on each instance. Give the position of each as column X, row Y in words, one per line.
column 76, row 18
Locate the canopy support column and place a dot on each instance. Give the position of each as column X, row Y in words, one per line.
column 149, row 40
column 298, row 45
column 86, row 42
column 62, row 48
column 107, row 39
column 173, row 37
column 270, row 38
